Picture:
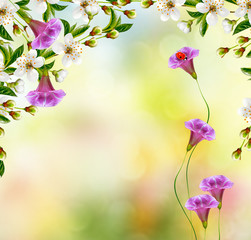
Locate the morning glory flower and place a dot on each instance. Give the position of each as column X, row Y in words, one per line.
column 7, row 12
column 45, row 95
column 71, row 48
column 168, row 9
column 213, row 8
column 244, row 7
column 202, row 204
column 28, row 64
column 199, row 131
column 183, row 58
column 246, row 110
column 86, row 9
column 216, row 186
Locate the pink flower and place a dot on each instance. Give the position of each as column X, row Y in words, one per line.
column 199, row 131
column 216, row 186
column 183, row 58
column 202, row 204
column 45, row 95
column 45, row 32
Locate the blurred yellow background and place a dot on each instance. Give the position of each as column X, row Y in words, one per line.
column 101, row 165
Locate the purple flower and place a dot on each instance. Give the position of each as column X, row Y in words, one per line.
column 216, row 186
column 45, row 95
column 202, row 204
column 45, row 32
column 183, row 58
column 199, row 131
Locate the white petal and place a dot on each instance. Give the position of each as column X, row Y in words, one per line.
column 4, row 77
column 32, row 54
column 94, row 10
column 164, row 17
column 78, row 12
column 240, row 12
column 68, row 39
column 76, row 59
column 85, row 18
column 32, row 75
column 179, row 2
column 247, row 102
column 175, row 14
column 52, row 1
column 223, row 12
column 19, row 89
column 66, row 60
column 38, row 62
column 40, row 6
column 201, row 7
column 19, row 72
column 58, row 47
column 182, row 26
column 212, row 19
column 249, row 15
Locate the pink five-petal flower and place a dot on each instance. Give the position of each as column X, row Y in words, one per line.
column 183, row 58
column 45, row 32
column 202, row 204
column 199, row 131
column 45, row 95
column 216, row 186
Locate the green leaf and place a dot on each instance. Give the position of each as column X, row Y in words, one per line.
column 10, row 70
column 112, row 24
column 192, row 3
column 2, row 168
column 4, row 34
column 66, row 26
column 123, row 27
column 47, row 13
column 22, row 3
column 4, row 119
column 49, row 65
column 73, row 27
column 5, row 53
column 79, row 30
column 248, row 55
column 119, row 21
column 40, row 52
column 7, row 91
column 246, row 71
column 17, row 53
column 53, row 12
column 203, row 26
column 58, row 7
column 199, row 19
column 48, row 54
column 231, row 1
column 195, row 14
column 242, row 26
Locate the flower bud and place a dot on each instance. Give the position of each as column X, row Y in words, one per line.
column 2, row 133
column 222, row 51
column 242, row 40
column 96, row 31
column 248, row 145
column 17, row 30
column 16, row 115
column 93, row 42
column 236, row 155
column 115, row 3
column 2, row 154
column 19, row 89
column 245, row 133
column 29, row 46
column 124, row 2
column 31, row 109
column 185, row 26
column 60, row 75
column 146, row 3
column 9, row 104
column 228, row 25
column 106, row 9
column 113, row 34
column 239, row 52
column 130, row 13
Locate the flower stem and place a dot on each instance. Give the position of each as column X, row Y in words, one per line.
column 177, row 197
column 205, row 234
column 208, row 110
column 219, row 224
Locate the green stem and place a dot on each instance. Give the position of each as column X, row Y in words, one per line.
column 243, row 143
column 19, row 22
column 219, row 224
column 84, row 38
column 208, row 110
column 177, row 197
column 205, row 234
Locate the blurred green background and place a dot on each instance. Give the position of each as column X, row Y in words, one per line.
column 101, row 165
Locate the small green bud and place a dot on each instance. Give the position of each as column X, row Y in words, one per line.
column 93, row 42
column 106, row 9
column 146, row 3
column 16, row 115
column 124, row 2
column 236, row 155
column 2, row 154
column 17, row 31
column 2, row 133
column 130, row 13
column 239, row 52
column 96, row 31
column 245, row 133
column 29, row 46
column 9, row 104
column 31, row 109
column 242, row 40
column 113, row 34
column 204, row 224
column 248, row 145
column 115, row 3
column 220, row 205
column 222, row 51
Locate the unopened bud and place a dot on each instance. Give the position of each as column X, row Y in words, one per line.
column 16, row 115
column 2, row 132
column 113, row 34
column 228, row 25
column 93, row 42
column 29, row 46
column 236, row 155
column 242, row 40
column 96, row 31
column 9, row 104
column 185, row 26
column 146, row 3
column 239, row 52
column 115, row 3
column 31, row 109
column 222, row 51
column 248, row 145
column 130, row 13
column 60, row 75
column 17, row 30
column 124, row 2
column 106, row 9
column 2, row 154
column 245, row 133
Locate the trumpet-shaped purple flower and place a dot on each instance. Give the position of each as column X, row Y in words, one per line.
column 202, row 204
column 183, row 58
column 216, row 186
column 45, row 32
column 45, row 95
column 199, row 131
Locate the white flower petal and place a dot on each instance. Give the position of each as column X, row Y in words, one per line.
column 240, row 12
column 38, row 62
column 58, row 47
column 4, row 77
column 32, row 54
column 76, row 59
column 175, row 14
column 19, row 72
column 52, row 1
column 78, row 12
column 32, row 75
column 249, row 15
column 247, row 102
column 85, row 18
column 68, row 39
column 201, row 7
column 164, row 17
column 211, row 18
column 179, row 2
column 223, row 12
column 40, row 6
column 66, row 60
